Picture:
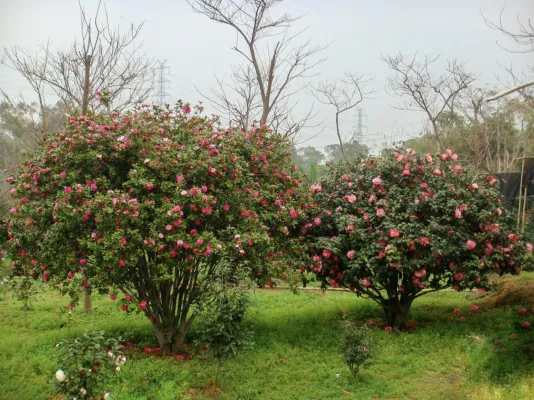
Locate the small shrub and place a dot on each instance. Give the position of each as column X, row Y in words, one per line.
column 356, row 347
column 220, row 328
column 86, row 364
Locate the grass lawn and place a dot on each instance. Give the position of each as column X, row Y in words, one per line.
column 296, row 355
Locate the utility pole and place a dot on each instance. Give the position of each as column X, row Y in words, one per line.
column 162, row 97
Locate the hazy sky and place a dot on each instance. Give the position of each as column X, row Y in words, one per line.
column 360, row 31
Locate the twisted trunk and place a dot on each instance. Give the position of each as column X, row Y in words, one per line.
column 396, row 311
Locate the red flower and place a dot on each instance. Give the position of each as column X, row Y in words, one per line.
column 471, row 244
column 143, row 305
column 113, row 297
column 394, row 233
column 523, row 310
column 388, row 329
column 525, row 324
column 148, row 350
column 366, row 282
column 124, row 307
column 475, row 308
column 122, row 263
column 424, row 241
column 70, row 306
column 456, row 310
column 458, row 276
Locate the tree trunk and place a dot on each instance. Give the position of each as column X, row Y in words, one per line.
column 87, row 301
column 170, row 339
column 86, row 85
column 396, row 312
column 218, row 370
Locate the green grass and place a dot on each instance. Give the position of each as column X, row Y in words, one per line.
column 296, row 355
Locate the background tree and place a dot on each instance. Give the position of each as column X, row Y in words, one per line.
column 264, row 86
column 308, row 159
column 401, row 226
column 427, row 91
column 106, row 60
column 523, row 36
column 343, row 95
column 153, row 203
column 354, row 150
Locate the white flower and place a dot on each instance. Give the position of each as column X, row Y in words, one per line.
column 337, row 375
column 83, row 391
column 118, row 369
column 106, row 395
column 110, row 354
column 60, row 375
column 57, row 345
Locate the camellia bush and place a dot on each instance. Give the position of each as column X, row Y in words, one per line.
column 404, row 225
column 150, row 203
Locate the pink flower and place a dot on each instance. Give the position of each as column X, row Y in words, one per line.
column 424, row 241
column 457, row 213
column 70, row 306
column 123, row 241
column 436, row 172
column 475, row 308
column 420, row 274
column 471, row 244
column 124, row 307
column 147, row 350
column 351, row 254
column 327, row 253
column 372, row 198
column 458, row 169
column 112, row 297
column 366, row 282
column 168, row 227
column 523, row 310
column 388, row 329
column 83, row 261
column 46, row 277
column 143, row 305
column 428, row 158
column 530, row 247
column 394, row 233
column 293, row 213
column 179, row 178
column 316, row 187
column 226, row 207
column 525, row 324
column 473, row 186
column 68, row 189
column 456, row 310
column 122, row 263
column 351, row 198
column 458, row 276
column 380, row 212
column 13, row 211
column 454, row 157
column 150, row 186
column 406, row 172
column 128, row 297
column 317, row 221
column 377, row 181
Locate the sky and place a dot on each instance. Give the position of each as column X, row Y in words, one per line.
column 358, row 34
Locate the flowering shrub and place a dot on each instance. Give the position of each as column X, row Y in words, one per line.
column 398, row 227
column 86, row 364
column 150, row 203
column 356, row 347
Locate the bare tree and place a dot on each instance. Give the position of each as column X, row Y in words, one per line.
column 344, row 94
column 105, row 60
column 522, row 36
column 425, row 90
column 265, row 85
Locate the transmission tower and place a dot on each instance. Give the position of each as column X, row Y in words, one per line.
column 360, row 126
column 162, row 96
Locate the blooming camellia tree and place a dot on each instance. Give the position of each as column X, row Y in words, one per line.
column 151, row 203
column 404, row 225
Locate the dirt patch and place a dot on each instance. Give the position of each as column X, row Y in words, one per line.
column 509, row 292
